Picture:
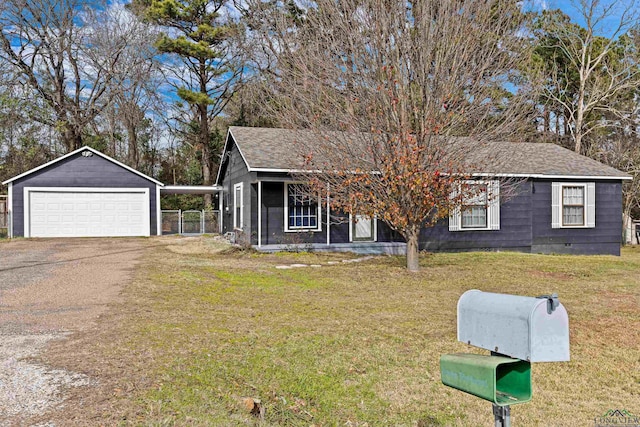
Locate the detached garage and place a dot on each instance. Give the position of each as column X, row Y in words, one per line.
column 83, row 194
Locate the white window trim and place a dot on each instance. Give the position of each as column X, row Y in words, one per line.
column 493, row 208
column 589, row 204
column 288, row 229
column 375, row 230
column 236, row 204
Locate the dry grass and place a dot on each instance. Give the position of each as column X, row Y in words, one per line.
column 350, row 344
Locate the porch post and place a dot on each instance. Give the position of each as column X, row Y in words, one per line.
column 328, row 218
column 10, row 212
column 158, row 212
column 220, row 207
column 259, row 213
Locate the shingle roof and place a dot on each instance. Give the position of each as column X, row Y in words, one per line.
column 73, row 153
column 275, row 149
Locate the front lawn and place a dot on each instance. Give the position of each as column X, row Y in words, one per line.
column 346, row 344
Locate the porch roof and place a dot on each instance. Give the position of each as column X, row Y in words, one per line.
column 189, row 189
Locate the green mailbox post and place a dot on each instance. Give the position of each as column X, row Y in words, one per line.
column 517, row 330
column 501, row 380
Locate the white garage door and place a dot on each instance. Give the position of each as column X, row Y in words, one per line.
column 86, row 212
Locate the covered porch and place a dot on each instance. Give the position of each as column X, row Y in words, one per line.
column 286, row 220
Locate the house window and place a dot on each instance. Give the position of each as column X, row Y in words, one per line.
column 302, row 212
column 238, row 206
column 573, row 205
column 481, row 208
column 474, row 210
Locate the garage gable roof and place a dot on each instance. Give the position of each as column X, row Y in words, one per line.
column 79, row 150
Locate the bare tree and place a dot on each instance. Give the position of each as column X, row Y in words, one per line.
column 50, row 46
column 620, row 147
column 23, row 143
column 136, row 79
column 399, row 79
column 593, row 65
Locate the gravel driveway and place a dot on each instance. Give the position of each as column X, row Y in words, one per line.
column 49, row 289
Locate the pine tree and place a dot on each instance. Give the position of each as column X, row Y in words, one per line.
column 204, row 40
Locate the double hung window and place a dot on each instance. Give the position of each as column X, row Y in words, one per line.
column 573, row 205
column 475, row 208
column 238, row 206
column 479, row 208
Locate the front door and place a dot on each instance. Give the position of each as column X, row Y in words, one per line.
column 362, row 228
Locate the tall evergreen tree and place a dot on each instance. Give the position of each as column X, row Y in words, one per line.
column 204, row 40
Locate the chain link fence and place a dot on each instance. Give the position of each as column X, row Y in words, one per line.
column 190, row 222
column 4, row 217
column 210, row 223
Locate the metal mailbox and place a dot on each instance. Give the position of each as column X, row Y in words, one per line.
column 526, row 328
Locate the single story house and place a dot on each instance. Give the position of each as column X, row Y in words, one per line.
column 86, row 193
column 565, row 203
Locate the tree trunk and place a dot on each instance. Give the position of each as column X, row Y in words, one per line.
column 578, row 139
column 579, row 122
column 206, row 153
column 205, row 137
column 132, row 137
column 71, row 138
column 413, row 258
column 546, row 122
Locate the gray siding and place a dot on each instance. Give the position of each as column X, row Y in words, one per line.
column 525, row 219
column 340, row 230
column 79, row 171
column 273, row 219
column 235, row 171
column 514, row 234
column 525, row 225
column 605, row 238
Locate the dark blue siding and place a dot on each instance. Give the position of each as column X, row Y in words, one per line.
column 386, row 234
column 514, row 234
column 79, row 171
column 273, row 222
column 235, row 171
column 525, row 219
column 605, row 238
column 339, row 228
column 272, row 212
column 273, row 219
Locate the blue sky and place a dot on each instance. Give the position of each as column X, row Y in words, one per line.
column 571, row 7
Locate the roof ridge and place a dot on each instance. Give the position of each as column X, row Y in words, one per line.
column 268, row 149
